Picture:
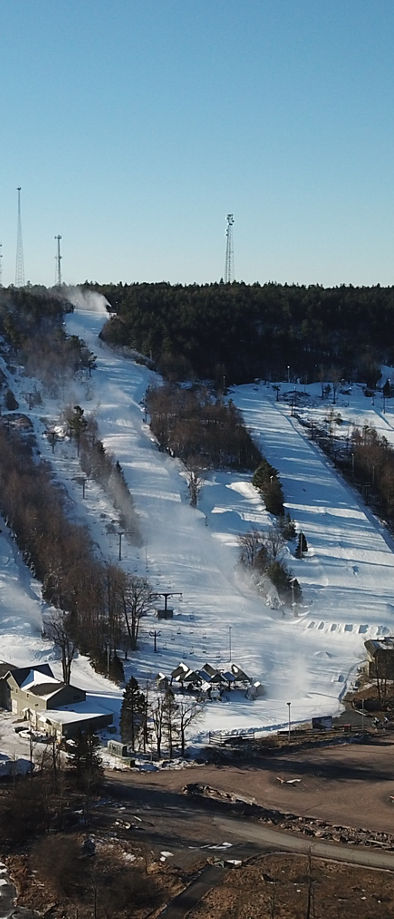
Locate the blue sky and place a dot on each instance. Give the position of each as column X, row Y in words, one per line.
column 135, row 126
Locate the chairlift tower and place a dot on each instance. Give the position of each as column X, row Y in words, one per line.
column 19, row 267
column 58, row 258
column 166, row 612
column 229, row 265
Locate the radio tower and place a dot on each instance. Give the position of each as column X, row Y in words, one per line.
column 229, row 266
column 19, row 269
column 58, row 258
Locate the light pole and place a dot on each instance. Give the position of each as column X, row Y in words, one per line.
column 120, row 534
column 352, row 455
column 229, row 640
column 288, row 373
column 289, row 731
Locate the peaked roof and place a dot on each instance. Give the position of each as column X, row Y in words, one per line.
column 21, row 674
column 4, row 668
column 374, row 645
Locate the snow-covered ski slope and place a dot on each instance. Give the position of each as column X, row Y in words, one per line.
column 347, row 577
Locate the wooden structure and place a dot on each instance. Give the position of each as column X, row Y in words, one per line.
column 380, row 657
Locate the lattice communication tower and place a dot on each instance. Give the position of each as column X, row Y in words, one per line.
column 19, row 268
column 229, row 265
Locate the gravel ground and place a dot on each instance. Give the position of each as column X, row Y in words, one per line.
column 349, row 785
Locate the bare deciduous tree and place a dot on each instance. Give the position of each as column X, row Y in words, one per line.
column 57, row 630
column 194, row 479
column 188, row 713
column 250, row 545
column 137, row 601
column 261, row 548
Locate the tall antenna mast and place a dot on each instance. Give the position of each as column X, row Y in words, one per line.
column 229, row 266
column 58, row 263
column 19, row 268
column 1, row 265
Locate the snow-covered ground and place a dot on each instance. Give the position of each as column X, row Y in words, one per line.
column 346, row 578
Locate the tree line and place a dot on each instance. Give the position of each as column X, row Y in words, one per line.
column 97, row 463
column 31, row 322
column 100, row 606
column 262, row 554
column 239, row 332
column 46, row 822
column 373, row 467
column 161, row 720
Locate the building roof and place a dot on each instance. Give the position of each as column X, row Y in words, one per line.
column 376, row 645
column 240, row 674
column 216, row 677
column 180, row 669
column 46, row 690
column 36, row 678
column 22, row 674
column 91, row 707
column 209, row 668
column 4, row 668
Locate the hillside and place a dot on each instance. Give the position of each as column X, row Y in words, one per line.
column 232, row 333
column 346, row 577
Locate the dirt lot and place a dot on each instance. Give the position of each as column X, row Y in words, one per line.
column 183, row 838
column 347, row 784
column 294, row 888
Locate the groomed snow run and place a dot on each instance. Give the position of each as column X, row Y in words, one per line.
column 306, row 658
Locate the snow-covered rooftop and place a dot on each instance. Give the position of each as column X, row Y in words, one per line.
column 35, row 678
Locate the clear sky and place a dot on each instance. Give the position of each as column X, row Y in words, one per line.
column 135, row 126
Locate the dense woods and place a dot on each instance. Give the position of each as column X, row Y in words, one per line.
column 202, row 430
column 232, row 333
column 373, row 468
column 100, row 606
column 31, row 322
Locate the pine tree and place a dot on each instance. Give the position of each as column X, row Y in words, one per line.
column 170, row 719
column 85, row 761
column 133, row 712
column 287, row 526
column 116, row 671
column 302, row 546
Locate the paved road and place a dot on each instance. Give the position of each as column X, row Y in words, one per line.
column 266, row 837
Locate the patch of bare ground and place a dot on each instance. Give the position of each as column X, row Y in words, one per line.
column 297, row 887
column 119, row 881
column 346, row 785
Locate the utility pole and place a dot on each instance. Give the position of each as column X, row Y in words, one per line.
column 19, row 267
column 154, row 635
column 58, row 258
column 289, row 728
column 120, row 534
column 229, row 264
column 1, row 266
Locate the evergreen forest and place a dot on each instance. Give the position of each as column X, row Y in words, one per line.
column 233, row 333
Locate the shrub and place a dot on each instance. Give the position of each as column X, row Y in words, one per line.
column 10, row 402
column 287, row 526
